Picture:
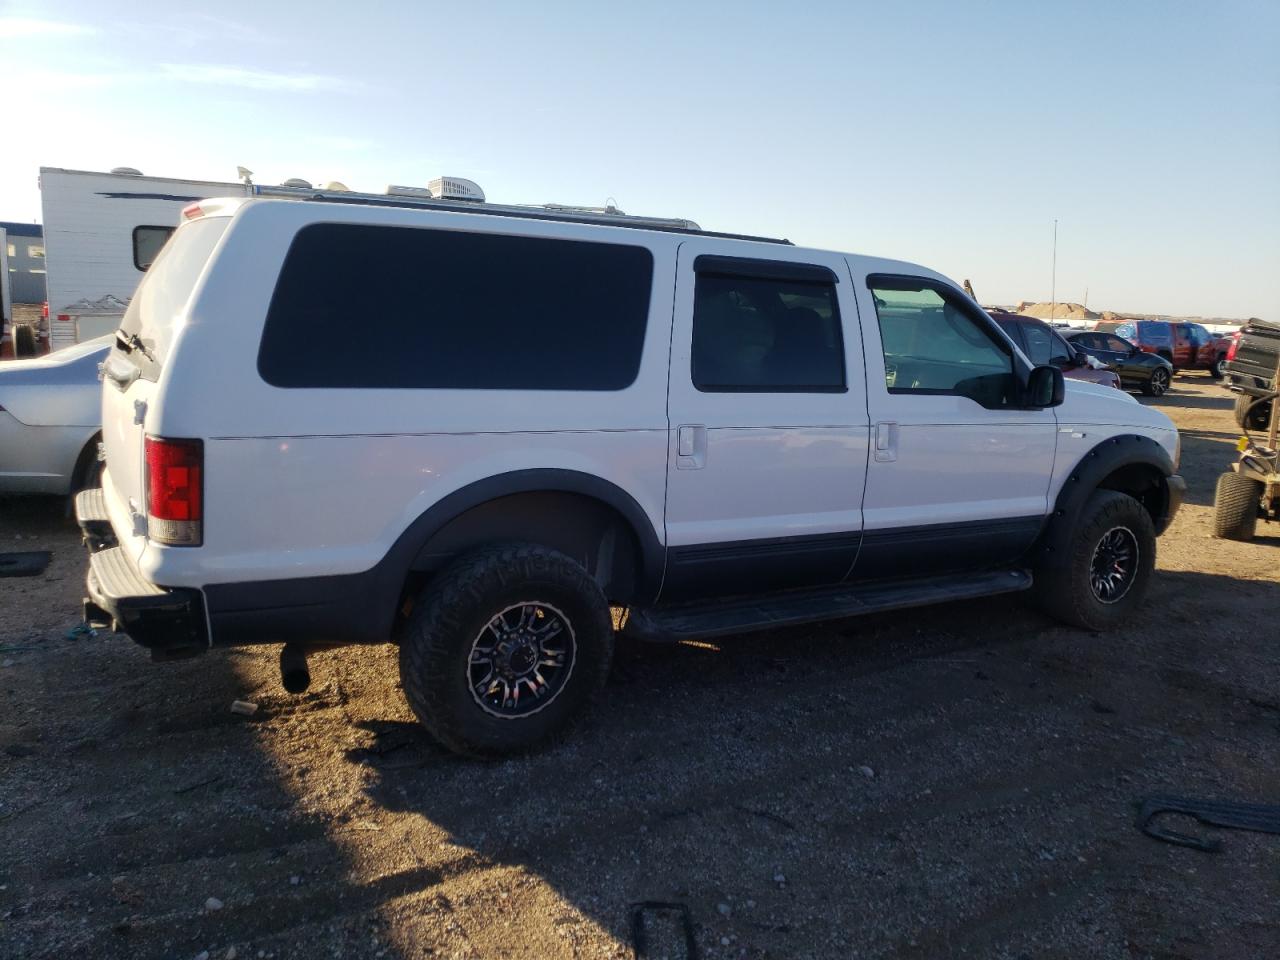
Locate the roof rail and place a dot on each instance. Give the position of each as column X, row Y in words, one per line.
column 550, row 212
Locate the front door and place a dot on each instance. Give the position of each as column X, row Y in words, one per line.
column 959, row 473
column 769, row 427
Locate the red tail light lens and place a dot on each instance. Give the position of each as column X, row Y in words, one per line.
column 175, row 491
column 1235, row 345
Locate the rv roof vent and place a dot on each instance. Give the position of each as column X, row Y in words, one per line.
column 423, row 193
column 336, row 186
column 297, row 182
column 126, row 171
column 455, row 188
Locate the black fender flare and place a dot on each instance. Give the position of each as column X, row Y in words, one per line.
column 1112, row 454
column 409, row 546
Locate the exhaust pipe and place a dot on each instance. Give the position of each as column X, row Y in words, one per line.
column 294, row 674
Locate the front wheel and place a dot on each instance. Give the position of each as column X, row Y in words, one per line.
column 1157, row 384
column 1219, row 368
column 504, row 648
column 1108, row 564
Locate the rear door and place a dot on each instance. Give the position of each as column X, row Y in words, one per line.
column 134, row 366
column 959, row 474
column 769, row 428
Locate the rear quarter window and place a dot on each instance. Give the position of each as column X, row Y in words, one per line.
column 166, row 287
column 360, row 306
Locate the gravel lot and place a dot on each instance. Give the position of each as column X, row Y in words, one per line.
column 957, row 781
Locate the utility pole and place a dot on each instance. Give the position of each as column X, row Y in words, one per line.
column 1053, row 307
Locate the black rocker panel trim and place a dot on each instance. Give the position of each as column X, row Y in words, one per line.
column 743, row 566
column 944, row 547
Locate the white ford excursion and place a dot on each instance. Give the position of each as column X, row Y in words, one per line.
column 471, row 430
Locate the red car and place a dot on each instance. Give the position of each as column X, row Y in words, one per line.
column 1188, row 346
column 1044, row 345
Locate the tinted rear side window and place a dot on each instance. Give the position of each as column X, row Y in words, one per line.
column 366, row 307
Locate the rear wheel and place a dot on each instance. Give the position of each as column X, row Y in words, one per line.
column 504, row 648
column 1219, row 368
column 1157, row 384
column 1235, row 507
column 1105, row 574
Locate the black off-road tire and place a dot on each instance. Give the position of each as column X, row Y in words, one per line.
column 1064, row 587
column 454, row 608
column 1157, row 385
column 1235, row 507
column 1259, row 416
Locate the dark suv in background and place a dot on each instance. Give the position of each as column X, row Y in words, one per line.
column 1148, row 372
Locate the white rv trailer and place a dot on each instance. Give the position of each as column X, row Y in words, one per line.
column 100, row 232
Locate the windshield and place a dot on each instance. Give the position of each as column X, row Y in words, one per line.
column 163, row 294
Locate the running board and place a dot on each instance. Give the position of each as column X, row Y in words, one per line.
column 705, row 619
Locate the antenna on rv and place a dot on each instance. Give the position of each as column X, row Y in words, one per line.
column 245, row 174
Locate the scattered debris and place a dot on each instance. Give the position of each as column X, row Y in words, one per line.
column 779, row 878
column 867, row 772
column 724, row 909
column 295, row 880
column 213, row 903
column 30, row 564
column 1261, row 817
column 244, row 708
column 197, row 785
column 81, row 631
column 765, row 815
column 646, row 911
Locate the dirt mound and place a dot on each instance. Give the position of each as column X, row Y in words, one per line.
column 1058, row 311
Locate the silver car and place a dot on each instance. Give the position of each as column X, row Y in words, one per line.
column 51, row 420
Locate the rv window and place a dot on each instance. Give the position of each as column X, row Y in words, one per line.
column 35, row 252
column 147, row 242
column 455, row 310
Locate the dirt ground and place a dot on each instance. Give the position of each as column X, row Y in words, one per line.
column 957, row 781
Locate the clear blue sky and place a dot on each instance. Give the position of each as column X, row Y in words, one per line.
column 947, row 133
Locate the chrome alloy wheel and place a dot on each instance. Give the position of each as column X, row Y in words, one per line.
column 521, row 660
column 1114, row 566
column 1159, row 381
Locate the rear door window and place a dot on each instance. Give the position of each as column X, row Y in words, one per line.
column 359, row 306
column 765, row 335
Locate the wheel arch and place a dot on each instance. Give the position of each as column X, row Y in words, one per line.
column 591, row 520
column 1128, row 463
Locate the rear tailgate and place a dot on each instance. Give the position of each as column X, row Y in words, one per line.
column 133, row 368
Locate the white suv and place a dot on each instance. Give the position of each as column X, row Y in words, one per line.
column 472, row 430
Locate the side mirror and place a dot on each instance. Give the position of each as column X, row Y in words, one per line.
column 1045, row 387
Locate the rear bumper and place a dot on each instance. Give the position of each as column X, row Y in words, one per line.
column 169, row 622
column 1177, row 488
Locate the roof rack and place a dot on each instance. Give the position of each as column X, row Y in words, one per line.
column 606, row 216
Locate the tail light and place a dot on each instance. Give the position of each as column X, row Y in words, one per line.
column 44, row 310
column 175, row 491
column 1235, row 345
